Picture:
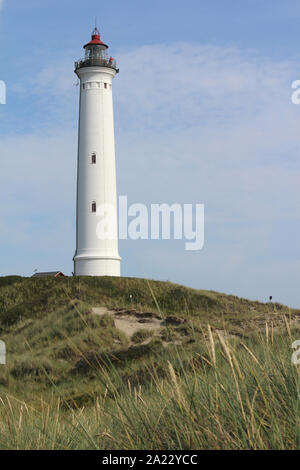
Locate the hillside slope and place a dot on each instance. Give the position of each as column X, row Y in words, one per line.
column 123, row 363
column 53, row 335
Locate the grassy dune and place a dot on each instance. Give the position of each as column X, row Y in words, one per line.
column 218, row 376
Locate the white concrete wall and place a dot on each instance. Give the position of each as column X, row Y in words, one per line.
column 96, row 182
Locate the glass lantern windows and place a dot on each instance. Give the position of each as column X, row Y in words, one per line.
column 95, row 52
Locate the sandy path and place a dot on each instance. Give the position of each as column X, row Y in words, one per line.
column 129, row 323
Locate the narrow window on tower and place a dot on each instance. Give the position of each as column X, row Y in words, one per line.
column 94, row 206
column 83, row 86
column 93, row 159
column 105, row 85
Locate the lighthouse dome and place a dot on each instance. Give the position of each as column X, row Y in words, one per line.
column 96, row 40
column 96, row 54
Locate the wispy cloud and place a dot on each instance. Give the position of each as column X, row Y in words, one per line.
column 194, row 85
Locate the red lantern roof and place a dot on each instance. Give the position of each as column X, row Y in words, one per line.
column 96, row 39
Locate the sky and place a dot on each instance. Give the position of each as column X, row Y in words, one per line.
column 203, row 114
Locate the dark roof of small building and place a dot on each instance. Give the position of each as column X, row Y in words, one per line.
column 49, row 274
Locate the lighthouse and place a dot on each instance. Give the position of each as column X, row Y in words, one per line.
column 96, row 213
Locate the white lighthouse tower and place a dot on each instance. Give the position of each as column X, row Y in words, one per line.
column 96, row 255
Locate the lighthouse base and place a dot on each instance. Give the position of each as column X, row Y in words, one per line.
column 102, row 266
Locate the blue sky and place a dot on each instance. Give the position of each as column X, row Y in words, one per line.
column 203, row 114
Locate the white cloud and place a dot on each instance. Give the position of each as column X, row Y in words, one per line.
column 188, row 85
column 193, row 124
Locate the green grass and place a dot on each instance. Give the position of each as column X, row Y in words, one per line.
column 223, row 379
column 141, row 335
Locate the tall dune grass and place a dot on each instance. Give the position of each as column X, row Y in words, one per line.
column 228, row 394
